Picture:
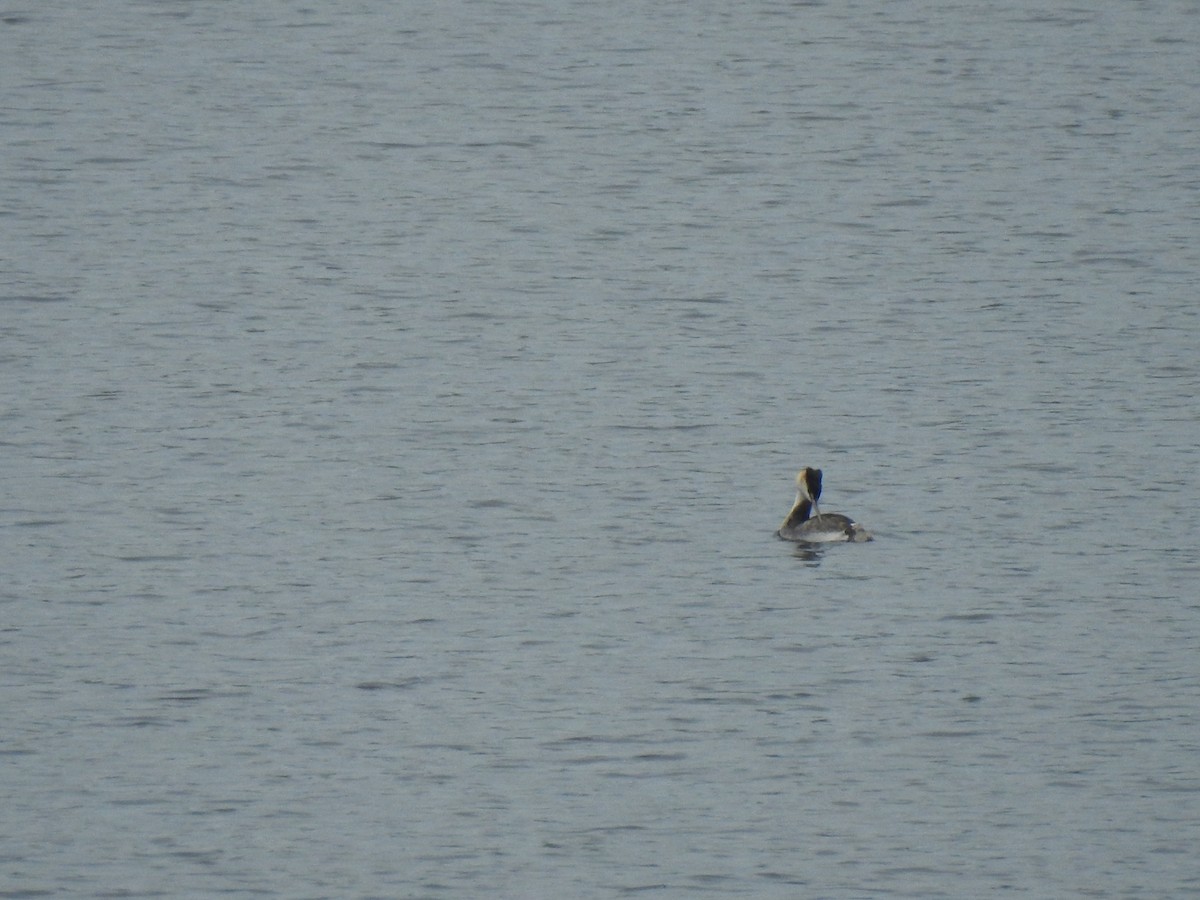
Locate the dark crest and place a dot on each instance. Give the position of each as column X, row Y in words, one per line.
column 812, row 481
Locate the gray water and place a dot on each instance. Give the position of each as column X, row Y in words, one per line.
column 400, row 400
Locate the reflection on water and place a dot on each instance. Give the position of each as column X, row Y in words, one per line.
column 810, row 553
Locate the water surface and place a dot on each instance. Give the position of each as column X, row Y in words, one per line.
column 401, row 402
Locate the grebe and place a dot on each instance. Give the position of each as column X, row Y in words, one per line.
column 823, row 527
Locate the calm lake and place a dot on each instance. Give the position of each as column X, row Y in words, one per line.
column 400, row 401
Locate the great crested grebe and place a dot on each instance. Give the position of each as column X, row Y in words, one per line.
column 803, row 527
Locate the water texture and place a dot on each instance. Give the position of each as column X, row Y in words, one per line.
column 400, row 400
